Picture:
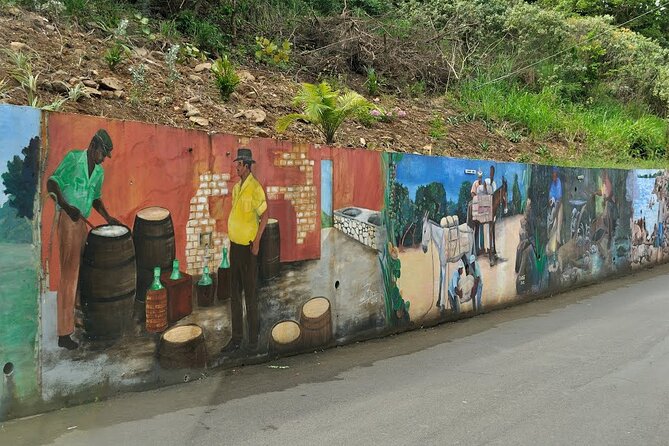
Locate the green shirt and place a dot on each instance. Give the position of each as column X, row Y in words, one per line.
column 78, row 189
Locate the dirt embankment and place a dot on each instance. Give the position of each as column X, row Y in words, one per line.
column 64, row 56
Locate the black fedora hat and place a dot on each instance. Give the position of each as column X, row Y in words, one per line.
column 244, row 154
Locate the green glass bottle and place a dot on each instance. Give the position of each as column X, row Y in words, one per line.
column 156, row 305
column 225, row 263
column 206, row 278
column 156, row 285
column 176, row 275
column 205, row 289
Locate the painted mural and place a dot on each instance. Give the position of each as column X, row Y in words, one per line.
column 19, row 314
column 135, row 255
column 174, row 250
column 575, row 228
column 649, row 192
column 453, row 228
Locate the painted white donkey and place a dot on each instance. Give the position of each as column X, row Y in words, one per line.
column 452, row 243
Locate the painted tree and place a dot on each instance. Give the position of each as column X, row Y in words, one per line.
column 464, row 197
column 20, row 180
column 403, row 213
column 431, row 198
column 516, row 200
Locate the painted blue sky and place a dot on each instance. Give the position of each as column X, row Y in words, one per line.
column 326, row 186
column 17, row 126
column 417, row 170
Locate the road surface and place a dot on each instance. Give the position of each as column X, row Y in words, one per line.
column 589, row 367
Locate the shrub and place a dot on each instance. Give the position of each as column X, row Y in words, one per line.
column 171, row 57
column 270, row 52
column 437, row 129
column 139, row 85
column 325, row 108
column 372, row 82
column 225, row 76
column 205, row 34
column 115, row 55
column 4, row 88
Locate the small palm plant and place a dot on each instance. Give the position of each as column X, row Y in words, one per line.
column 324, row 107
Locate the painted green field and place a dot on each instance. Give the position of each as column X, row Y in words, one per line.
column 19, row 314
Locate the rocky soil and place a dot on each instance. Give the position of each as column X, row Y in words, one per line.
column 64, row 56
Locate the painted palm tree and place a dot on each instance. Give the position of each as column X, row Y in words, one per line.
column 323, row 107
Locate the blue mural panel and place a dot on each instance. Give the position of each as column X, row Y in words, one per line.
column 19, row 315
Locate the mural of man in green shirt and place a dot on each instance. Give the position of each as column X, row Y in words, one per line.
column 76, row 186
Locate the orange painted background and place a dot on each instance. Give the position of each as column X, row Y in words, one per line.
column 164, row 166
column 357, row 178
column 150, row 166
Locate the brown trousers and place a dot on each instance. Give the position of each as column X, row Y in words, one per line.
column 71, row 239
column 243, row 277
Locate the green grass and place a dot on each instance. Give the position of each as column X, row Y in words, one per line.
column 19, row 314
column 326, row 220
column 615, row 134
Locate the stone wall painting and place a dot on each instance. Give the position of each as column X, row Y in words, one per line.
column 19, row 310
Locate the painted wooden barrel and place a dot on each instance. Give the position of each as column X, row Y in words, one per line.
column 285, row 337
column 154, row 245
column 182, row 347
column 316, row 321
column 270, row 250
column 156, row 310
column 107, row 282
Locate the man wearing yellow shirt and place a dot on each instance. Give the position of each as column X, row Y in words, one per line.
column 246, row 224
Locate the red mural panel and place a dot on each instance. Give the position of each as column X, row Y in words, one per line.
column 150, row 166
column 290, row 174
column 191, row 174
column 357, row 178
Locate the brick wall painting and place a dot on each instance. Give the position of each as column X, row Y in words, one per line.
column 290, row 174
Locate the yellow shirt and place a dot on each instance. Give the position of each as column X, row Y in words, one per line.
column 248, row 204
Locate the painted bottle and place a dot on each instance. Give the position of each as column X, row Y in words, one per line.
column 176, row 275
column 156, row 305
column 205, row 289
column 223, row 290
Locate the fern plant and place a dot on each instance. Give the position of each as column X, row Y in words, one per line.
column 325, row 108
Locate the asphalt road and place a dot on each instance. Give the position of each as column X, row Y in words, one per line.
column 589, row 367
